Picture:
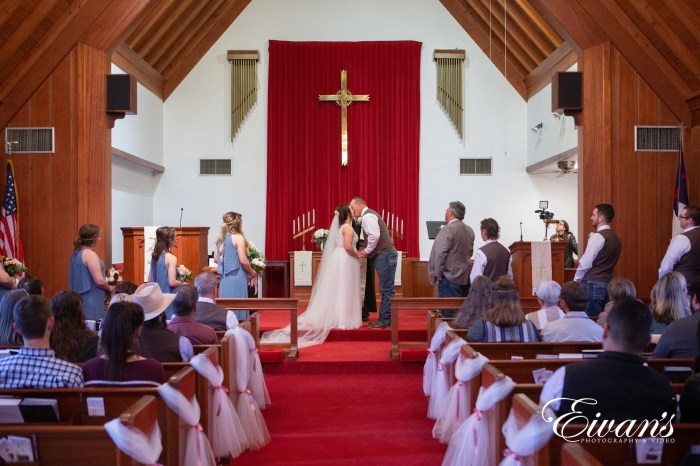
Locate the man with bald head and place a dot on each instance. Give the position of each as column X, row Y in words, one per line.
column 208, row 313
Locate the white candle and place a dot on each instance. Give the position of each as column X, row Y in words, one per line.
column 401, row 227
column 294, row 231
column 392, row 221
column 303, row 222
column 383, row 215
column 308, row 215
column 314, row 216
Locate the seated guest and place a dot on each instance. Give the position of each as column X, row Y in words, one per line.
column 36, row 366
column 505, row 320
column 575, row 325
column 618, row 288
column 678, row 340
column 690, row 396
column 70, row 338
column 156, row 340
column 669, row 301
column 624, row 387
column 183, row 324
column 8, row 335
column 125, row 287
column 477, row 302
column 32, row 285
column 121, row 362
column 7, row 283
column 209, row 313
column 547, row 292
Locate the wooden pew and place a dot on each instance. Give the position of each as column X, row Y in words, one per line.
column 63, row 443
column 434, row 321
column 573, row 454
column 503, row 351
column 72, row 403
column 268, row 304
column 399, row 305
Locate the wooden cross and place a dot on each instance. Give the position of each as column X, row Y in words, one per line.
column 343, row 98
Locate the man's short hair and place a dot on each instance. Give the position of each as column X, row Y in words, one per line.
column 628, row 324
column 575, row 295
column 607, row 211
column 31, row 315
column 185, row 300
column 490, row 226
column 694, row 290
column 359, row 200
column 693, row 213
column 548, row 291
column 206, row 283
column 458, row 209
column 32, row 285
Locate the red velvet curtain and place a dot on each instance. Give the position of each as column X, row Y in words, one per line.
column 304, row 169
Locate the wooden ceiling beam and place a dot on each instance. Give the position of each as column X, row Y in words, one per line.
column 195, row 51
column 561, row 59
column 114, row 24
column 54, row 46
column 157, row 16
column 162, row 27
column 529, row 26
column 686, row 15
column 481, row 37
column 28, row 27
column 581, row 32
column 132, row 63
column 7, row 9
column 540, row 24
column 179, row 34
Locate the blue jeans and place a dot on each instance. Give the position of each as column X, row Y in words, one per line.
column 448, row 289
column 597, row 297
column 385, row 265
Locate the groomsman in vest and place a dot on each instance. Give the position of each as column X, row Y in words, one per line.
column 380, row 248
column 492, row 259
column 595, row 267
column 448, row 265
column 683, row 254
column 370, row 303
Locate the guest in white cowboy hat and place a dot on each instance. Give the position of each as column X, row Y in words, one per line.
column 156, row 340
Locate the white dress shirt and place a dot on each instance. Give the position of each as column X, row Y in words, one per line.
column 574, row 326
column 480, row 263
column 370, row 224
column 554, row 388
column 680, row 245
column 595, row 244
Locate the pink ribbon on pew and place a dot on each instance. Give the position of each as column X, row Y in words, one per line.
column 199, row 429
column 440, row 366
column 250, row 396
column 477, row 418
column 218, row 391
column 510, row 453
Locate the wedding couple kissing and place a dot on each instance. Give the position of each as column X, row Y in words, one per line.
column 335, row 296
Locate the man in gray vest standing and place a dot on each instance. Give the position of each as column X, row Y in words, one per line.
column 448, row 265
column 491, row 260
column 683, row 254
column 380, row 247
column 595, row 267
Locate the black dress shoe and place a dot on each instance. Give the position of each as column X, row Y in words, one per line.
column 377, row 324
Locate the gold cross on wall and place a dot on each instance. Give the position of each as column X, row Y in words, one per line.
column 343, row 98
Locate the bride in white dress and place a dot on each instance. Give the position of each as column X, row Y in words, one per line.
column 335, row 297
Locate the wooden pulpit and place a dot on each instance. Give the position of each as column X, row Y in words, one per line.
column 190, row 250
column 521, row 252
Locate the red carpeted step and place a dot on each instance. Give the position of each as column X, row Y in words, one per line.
column 413, row 354
column 271, row 356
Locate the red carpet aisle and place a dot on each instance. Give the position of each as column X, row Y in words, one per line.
column 346, row 403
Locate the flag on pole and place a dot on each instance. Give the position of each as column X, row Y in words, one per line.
column 10, row 241
column 680, row 195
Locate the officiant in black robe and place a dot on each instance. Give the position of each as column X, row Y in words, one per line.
column 370, row 302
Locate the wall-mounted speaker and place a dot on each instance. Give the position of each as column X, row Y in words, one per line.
column 121, row 93
column 567, row 91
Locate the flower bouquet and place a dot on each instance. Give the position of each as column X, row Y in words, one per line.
column 183, row 274
column 257, row 260
column 112, row 276
column 12, row 266
column 320, row 236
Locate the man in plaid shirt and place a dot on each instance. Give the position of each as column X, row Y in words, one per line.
column 36, row 365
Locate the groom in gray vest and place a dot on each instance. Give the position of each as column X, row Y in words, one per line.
column 380, row 247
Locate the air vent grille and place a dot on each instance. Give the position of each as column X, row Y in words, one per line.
column 214, row 166
column 657, row 138
column 481, row 166
column 30, row 140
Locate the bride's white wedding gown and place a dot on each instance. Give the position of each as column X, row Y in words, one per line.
column 335, row 297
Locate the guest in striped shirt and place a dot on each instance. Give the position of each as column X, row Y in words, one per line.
column 36, row 365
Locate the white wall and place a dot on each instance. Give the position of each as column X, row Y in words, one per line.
column 196, row 121
column 133, row 187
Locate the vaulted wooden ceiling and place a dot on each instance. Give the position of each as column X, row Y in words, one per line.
column 160, row 41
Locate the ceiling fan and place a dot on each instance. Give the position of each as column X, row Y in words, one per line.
column 566, row 167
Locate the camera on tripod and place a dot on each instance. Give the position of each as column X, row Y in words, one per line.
column 544, row 214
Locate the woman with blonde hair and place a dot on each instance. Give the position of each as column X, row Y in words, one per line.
column 86, row 273
column 163, row 262
column 505, row 321
column 669, row 301
column 231, row 257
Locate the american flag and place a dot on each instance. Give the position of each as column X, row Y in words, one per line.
column 10, row 241
column 680, row 194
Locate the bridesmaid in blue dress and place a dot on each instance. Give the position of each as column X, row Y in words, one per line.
column 86, row 274
column 232, row 261
column 164, row 264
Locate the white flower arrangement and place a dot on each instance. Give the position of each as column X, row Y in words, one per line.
column 320, row 236
column 112, row 276
column 257, row 260
column 183, row 274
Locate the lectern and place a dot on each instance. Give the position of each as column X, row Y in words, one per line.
column 191, row 250
column 521, row 253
